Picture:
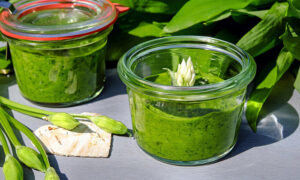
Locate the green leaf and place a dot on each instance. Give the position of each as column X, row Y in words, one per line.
column 4, row 63
column 226, row 14
column 121, row 41
column 219, row 17
column 241, row 15
column 145, row 29
column 296, row 3
column 263, row 90
column 196, row 11
column 261, row 2
column 297, row 81
column 153, row 6
column 294, row 8
column 259, row 13
column 291, row 38
column 265, row 34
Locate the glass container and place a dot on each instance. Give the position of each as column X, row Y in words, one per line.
column 186, row 125
column 58, row 48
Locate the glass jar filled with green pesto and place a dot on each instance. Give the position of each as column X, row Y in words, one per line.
column 186, row 96
column 58, row 48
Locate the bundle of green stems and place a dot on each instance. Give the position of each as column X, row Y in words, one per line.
column 39, row 160
column 12, row 169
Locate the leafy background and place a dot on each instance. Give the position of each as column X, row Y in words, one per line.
column 267, row 29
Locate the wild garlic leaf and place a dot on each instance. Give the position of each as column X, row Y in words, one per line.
column 146, row 29
column 258, row 13
column 196, row 11
column 264, row 36
column 4, row 63
column 291, row 37
column 297, row 81
column 261, row 2
column 294, row 8
column 263, row 90
column 219, row 17
column 237, row 12
column 153, row 6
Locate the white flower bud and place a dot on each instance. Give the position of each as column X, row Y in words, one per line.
column 185, row 75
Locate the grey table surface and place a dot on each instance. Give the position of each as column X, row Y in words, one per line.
column 272, row 153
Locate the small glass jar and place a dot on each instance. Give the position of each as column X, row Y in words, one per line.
column 58, row 48
column 186, row 125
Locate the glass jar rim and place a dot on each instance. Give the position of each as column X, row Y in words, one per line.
column 242, row 79
column 105, row 14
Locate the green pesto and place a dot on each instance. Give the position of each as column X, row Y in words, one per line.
column 185, row 131
column 64, row 72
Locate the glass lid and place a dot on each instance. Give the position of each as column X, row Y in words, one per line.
column 49, row 20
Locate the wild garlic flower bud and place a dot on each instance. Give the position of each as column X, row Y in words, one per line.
column 30, row 158
column 185, row 75
column 63, row 120
column 108, row 124
column 12, row 169
column 51, row 174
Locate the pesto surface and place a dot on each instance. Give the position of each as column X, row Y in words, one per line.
column 185, row 131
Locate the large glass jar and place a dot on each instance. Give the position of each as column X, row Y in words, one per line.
column 58, row 48
column 186, row 125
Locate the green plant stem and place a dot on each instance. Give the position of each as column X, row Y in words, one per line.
column 80, row 116
column 33, row 114
column 4, row 143
column 8, row 129
column 30, row 135
column 110, row 125
column 25, row 109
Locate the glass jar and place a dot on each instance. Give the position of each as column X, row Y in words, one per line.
column 186, row 125
column 58, row 48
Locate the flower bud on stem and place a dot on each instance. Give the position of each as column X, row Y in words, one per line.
column 30, row 158
column 51, row 174
column 12, row 169
column 63, row 120
column 26, row 155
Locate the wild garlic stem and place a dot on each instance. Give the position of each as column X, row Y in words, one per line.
column 4, row 143
column 80, row 116
column 8, row 129
column 65, row 120
column 30, row 135
column 106, row 123
column 25, row 109
column 33, row 114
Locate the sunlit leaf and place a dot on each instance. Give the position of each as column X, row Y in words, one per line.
column 265, row 35
column 263, row 90
column 195, row 11
column 297, row 82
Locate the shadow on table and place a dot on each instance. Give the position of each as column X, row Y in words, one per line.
column 278, row 120
column 113, row 86
column 5, row 83
column 54, row 164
